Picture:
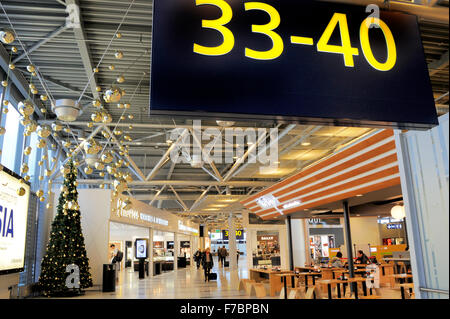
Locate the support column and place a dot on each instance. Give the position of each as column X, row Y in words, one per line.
column 150, row 252
column 348, row 239
column 291, row 251
column 175, row 251
column 232, row 242
column 192, row 252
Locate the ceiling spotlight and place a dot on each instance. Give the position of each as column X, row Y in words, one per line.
column 225, row 123
column 306, row 143
column 66, row 110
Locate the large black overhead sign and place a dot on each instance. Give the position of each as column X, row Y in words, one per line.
column 289, row 60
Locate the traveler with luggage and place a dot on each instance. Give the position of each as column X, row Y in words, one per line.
column 222, row 255
column 198, row 257
column 208, row 263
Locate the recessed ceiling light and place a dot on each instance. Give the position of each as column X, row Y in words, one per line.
column 359, row 195
column 306, row 143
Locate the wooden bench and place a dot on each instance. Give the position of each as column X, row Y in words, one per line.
column 257, row 289
column 243, row 282
column 370, row 297
column 409, row 286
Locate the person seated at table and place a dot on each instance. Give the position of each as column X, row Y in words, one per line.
column 336, row 261
column 362, row 258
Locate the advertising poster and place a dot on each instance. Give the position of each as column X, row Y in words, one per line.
column 141, row 248
column 14, row 198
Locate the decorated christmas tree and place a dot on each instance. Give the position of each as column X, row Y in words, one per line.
column 65, row 267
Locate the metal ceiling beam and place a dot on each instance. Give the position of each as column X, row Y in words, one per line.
column 38, row 44
column 436, row 66
column 180, row 183
column 81, row 39
column 179, row 198
column 429, row 13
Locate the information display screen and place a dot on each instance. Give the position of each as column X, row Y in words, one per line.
column 239, row 234
column 141, row 248
column 293, row 61
column 14, row 200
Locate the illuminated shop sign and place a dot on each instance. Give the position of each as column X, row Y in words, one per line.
column 136, row 215
column 318, row 62
column 267, row 201
column 186, row 228
column 292, row 204
column 394, row 226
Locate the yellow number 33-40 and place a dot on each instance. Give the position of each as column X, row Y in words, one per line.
column 219, row 25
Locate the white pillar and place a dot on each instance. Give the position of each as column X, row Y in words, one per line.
column 150, row 251
column 176, row 246
column 191, row 245
column 232, row 242
column 298, row 242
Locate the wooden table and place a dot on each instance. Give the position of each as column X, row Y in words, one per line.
column 274, row 281
column 329, row 282
column 409, row 286
column 402, row 278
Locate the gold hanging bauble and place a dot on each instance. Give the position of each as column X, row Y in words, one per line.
column 118, row 55
column 42, row 143
column 91, row 147
column 67, row 144
column 105, row 134
column 32, row 126
column 42, row 199
column 41, row 178
column 102, row 186
column 34, row 73
column 96, row 103
column 96, row 117
column 48, row 173
column 12, row 66
column 110, row 169
column 53, row 159
column 49, row 206
column 7, row 37
column 31, row 68
column 99, row 166
column 90, row 124
column 127, row 105
column 43, row 110
column 2, row 130
column 131, row 116
column 44, row 131
column 56, row 127
column 120, row 79
column 21, row 191
column 67, row 130
column 130, row 127
column 117, row 132
column 106, row 117
column 118, row 35
column 14, row 49
column 98, row 88
column 44, row 97
column 64, row 170
column 32, row 86
column 40, row 193
column 111, row 67
column 25, row 120
column 27, row 150
column 113, row 95
column 24, row 169
column 75, row 183
column 27, row 178
column 4, row 83
column 26, row 108
column 122, row 117
column 102, row 174
column 40, row 163
column 95, row 70
column 120, row 105
column 88, row 170
column 5, row 102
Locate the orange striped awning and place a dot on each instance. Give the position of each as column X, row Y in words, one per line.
column 368, row 165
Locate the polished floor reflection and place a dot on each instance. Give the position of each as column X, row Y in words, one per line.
column 185, row 283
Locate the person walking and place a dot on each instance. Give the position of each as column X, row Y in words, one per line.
column 223, row 255
column 198, row 258
column 208, row 263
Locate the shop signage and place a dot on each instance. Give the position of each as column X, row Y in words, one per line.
column 185, row 244
column 268, row 201
column 239, row 234
column 185, row 228
column 309, row 61
column 136, row 215
column 267, row 238
column 14, row 198
column 394, row 226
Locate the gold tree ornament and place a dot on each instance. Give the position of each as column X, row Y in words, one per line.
column 131, row 116
column 2, row 130
column 118, row 55
column 107, row 158
column 14, row 49
column 27, row 150
column 27, row 178
column 88, row 170
column 5, row 102
column 90, row 124
column 40, row 193
column 12, row 66
column 127, row 105
column 42, row 199
column 119, row 35
column 25, row 108
column 101, row 174
column 4, row 83
column 44, row 97
column 111, row 67
column 40, row 163
column 120, row 105
column 106, row 117
column 67, row 144
column 49, row 206
column 32, row 126
column 120, row 79
column 7, row 37
column 41, row 178
column 67, row 130
column 92, row 147
column 95, row 70
column 48, row 173
column 31, row 68
column 98, row 88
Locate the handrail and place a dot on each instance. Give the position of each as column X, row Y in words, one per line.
column 439, row 291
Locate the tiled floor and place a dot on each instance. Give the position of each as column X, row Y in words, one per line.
column 188, row 283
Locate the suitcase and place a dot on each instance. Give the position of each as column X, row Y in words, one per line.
column 212, row 276
column 227, row 264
